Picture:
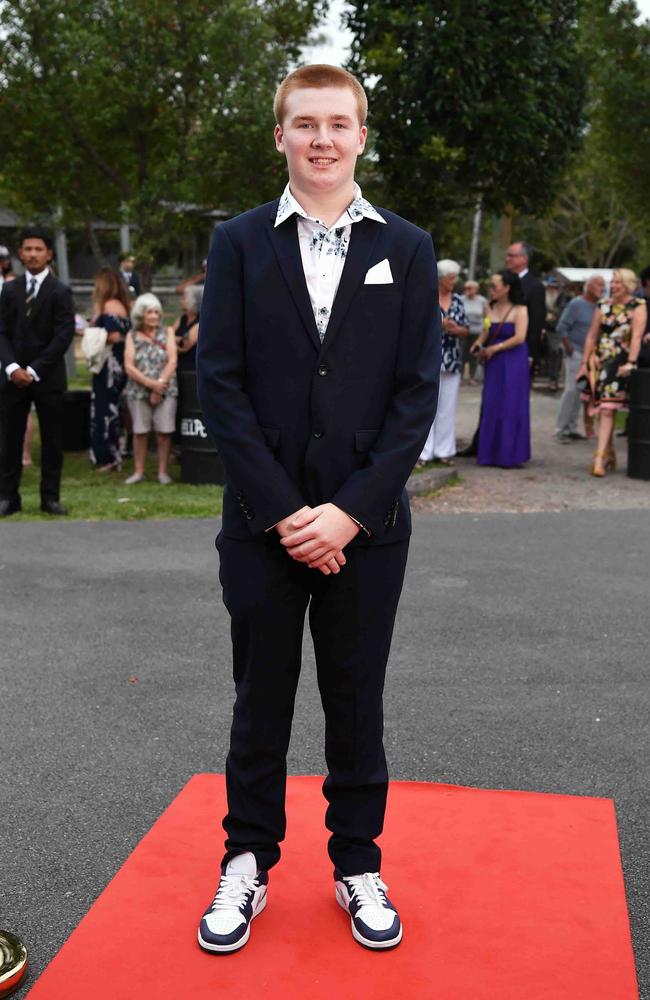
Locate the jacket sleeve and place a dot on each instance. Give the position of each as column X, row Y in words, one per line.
column 7, row 355
column 261, row 485
column 371, row 490
column 63, row 332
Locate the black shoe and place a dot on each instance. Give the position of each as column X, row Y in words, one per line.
column 8, row 507
column 53, row 507
column 471, row 451
column 374, row 920
column 226, row 924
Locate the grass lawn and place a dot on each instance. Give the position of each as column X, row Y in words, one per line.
column 95, row 496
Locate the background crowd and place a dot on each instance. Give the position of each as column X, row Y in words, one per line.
column 522, row 331
column 515, row 332
column 132, row 354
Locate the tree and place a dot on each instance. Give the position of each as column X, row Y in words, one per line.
column 131, row 110
column 471, row 99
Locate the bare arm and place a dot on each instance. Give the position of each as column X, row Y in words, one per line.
column 189, row 340
column 638, row 329
column 172, row 358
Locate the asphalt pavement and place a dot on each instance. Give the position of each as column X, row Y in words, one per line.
column 519, row 661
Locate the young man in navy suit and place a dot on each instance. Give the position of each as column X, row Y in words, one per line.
column 318, row 363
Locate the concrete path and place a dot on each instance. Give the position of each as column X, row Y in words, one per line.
column 556, row 479
column 519, row 661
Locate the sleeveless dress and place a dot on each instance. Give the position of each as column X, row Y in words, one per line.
column 608, row 390
column 504, row 432
column 106, row 396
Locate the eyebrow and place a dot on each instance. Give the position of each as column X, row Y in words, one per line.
column 311, row 118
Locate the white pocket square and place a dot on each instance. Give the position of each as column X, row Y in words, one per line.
column 380, row 274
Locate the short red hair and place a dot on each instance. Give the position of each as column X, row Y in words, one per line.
column 319, row 75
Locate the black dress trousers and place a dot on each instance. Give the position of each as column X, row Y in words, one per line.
column 351, row 617
column 14, row 410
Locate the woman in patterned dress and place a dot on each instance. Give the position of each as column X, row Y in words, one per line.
column 111, row 311
column 150, row 360
column 610, row 353
column 440, row 445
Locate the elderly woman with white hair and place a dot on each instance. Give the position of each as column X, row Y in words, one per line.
column 440, row 445
column 150, row 358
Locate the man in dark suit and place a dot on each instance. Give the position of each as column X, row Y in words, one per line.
column 318, row 362
column 131, row 278
column 36, row 328
column 518, row 260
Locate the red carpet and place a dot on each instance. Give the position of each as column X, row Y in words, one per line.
column 504, row 896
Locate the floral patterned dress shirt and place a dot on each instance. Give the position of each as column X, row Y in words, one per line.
column 323, row 250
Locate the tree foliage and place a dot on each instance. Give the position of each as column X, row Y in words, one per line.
column 470, row 99
column 129, row 109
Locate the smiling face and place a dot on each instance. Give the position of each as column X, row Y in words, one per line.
column 321, row 137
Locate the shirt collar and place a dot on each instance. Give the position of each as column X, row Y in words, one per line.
column 40, row 278
column 522, row 274
column 358, row 209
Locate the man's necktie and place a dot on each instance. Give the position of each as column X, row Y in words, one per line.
column 30, row 297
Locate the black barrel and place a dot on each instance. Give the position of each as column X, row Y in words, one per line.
column 638, row 428
column 75, row 426
column 200, row 462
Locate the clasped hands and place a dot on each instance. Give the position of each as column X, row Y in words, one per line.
column 317, row 536
column 21, row 378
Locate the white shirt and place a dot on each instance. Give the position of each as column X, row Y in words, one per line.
column 39, row 279
column 323, row 250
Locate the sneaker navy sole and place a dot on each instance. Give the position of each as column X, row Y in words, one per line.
column 224, row 949
column 368, row 942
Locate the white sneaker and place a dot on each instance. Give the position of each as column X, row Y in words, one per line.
column 226, row 924
column 135, row 478
column 164, row 479
column 374, row 920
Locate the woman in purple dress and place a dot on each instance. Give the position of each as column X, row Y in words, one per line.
column 504, row 430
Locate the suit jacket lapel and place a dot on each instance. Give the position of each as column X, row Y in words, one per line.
column 363, row 236
column 284, row 240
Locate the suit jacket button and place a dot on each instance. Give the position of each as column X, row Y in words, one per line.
column 317, row 434
column 323, row 370
column 249, row 515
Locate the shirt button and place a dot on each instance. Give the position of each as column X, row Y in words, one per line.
column 317, row 434
column 323, row 370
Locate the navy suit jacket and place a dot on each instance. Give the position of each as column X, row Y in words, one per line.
column 299, row 422
column 42, row 340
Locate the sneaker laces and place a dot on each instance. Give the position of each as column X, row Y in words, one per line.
column 367, row 889
column 233, row 891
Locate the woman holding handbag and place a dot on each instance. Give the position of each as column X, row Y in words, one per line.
column 610, row 354
column 504, row 431
column 111, row 307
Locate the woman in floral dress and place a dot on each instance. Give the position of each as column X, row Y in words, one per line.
column 610, row 354
column 440, row 445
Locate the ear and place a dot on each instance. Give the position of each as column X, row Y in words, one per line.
column 278, row 135
column 363, row 135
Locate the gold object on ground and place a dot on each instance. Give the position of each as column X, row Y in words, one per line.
column 13, row 963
